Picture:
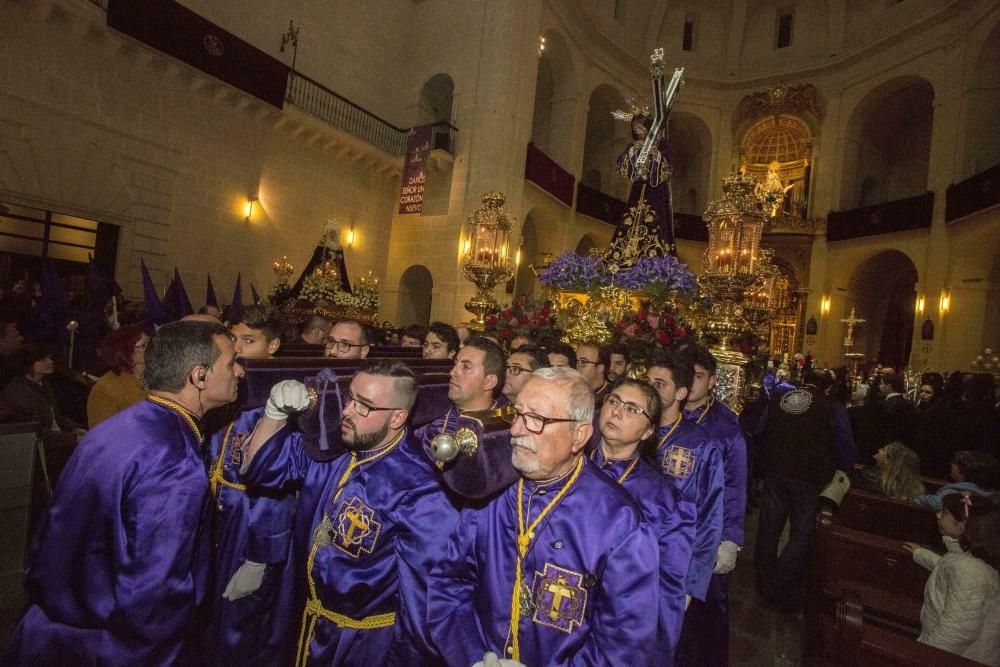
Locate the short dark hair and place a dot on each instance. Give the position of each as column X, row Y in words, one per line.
column 176, row 349
column 117, row 347
column 981, row 515
column 536, row 356
column 446, row 333
column 681, row 367
column 417, row 331
column 364, row 338
column 493, row 359
column 261, row 317
column 603, row 355
column 405, row 381
column 980, row 468
column 700, row 356
column 653, row 405
column 819, row 378
column 895, row 382
column 24, row 357
column 619, row 348
column 564, row 349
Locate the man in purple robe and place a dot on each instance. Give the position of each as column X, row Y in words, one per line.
column 380, row 520
column 119, row 561
column 558, row 569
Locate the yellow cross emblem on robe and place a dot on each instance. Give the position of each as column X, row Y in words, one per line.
column 560, row 599
column 355, row 528
column 679, row 461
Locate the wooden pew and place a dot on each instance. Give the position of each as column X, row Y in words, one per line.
column 896, row 519
column 374, row 351
column 858, row 639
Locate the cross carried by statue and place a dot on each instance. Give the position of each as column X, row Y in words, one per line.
column 647, row 228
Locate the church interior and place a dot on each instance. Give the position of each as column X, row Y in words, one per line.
column 220, row 144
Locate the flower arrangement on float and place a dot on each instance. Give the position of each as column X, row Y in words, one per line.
column 536, row 317
column 648, row 305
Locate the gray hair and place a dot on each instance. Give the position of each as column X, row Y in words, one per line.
column 178, row 348
column 578, row 395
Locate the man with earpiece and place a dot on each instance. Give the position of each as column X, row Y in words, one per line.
column 119, row 560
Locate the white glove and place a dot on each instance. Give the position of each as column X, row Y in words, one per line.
column 491, row 660
column 687, row 602
column 287, row 396
column 245, row 580
column 725, row 560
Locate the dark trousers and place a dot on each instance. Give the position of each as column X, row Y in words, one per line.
column 704, row 638
column 795, row 500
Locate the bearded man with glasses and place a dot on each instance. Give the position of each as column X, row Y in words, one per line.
column 560, row 568
column 348, row 339
column 381, row 521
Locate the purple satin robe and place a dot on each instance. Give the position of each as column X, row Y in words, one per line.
column 694, row 469
column 673, row 522
column 247, row 525
column 119, row 561
column 590, row 572
column 387, row 527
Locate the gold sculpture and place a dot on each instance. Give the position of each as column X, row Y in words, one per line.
column 487, row 256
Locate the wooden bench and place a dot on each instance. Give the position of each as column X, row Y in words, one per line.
column 898, row 519
column 374, row 351
column 858, row 639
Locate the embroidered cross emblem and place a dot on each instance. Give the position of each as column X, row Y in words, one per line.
column 678, row 461
column 560, row 599
column 236, row 449
column 355, row 528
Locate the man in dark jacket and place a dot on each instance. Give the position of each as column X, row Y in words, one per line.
column 898, row 418
column 806, row 439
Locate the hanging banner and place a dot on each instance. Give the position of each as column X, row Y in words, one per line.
column 411, row 187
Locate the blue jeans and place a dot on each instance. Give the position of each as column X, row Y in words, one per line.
column 795, row 500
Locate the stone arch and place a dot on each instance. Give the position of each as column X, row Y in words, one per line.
column 982, row 100
column 605, row 137
column 554, row 99
column 691, row 144
column 586, row 244
column 415, row 292
column 883, row 288
column 783, row 141
column 888, row 142
column 436, row 100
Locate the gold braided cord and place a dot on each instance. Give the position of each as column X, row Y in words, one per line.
column 314, row 607
column 217, row 477
column 628, row 470
column 669, row 433
column 711, row 402
column 524, row 537
column 179, row 409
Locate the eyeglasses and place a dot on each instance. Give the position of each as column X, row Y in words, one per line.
column 582, row 363
column 363, row 409
column 517, row 370
column 615, row 401
column 341, row 345
column 532, row 422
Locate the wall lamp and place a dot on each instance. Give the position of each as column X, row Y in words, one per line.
column 944, row 304
column 350, row 237
column 919, row 305
column 250, row 200
column 824, row 305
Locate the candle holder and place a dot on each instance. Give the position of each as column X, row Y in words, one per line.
column 487, row 256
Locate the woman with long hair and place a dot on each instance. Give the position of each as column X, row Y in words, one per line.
column 124, row 351
column 896, row 473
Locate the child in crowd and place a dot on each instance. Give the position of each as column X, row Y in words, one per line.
column 896, row 473
column 962, row 595
column 975, row 472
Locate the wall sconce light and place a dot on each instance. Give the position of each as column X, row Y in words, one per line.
column 466, row 247
column 944, row 304
column 250, row 200
column 541, row 45
column 350, row 237
column 517, row 257
column 918, row 307
column 824, row 305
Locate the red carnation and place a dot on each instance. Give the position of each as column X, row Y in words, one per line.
column 505, row 334
column 679, row 332
column 664, row 338
column 506, row 312
column 669, row 320
column 492, row 321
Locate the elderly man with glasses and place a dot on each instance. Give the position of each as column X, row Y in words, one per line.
column 560, row 568
column 348, row 339
column 380, row 520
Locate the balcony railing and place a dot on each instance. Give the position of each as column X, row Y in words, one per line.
column 973, row 194
column 546, row 173
column 893, row 216
column 320, row 101
column 598, row 205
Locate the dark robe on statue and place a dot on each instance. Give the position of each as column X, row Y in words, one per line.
column 647, row 229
